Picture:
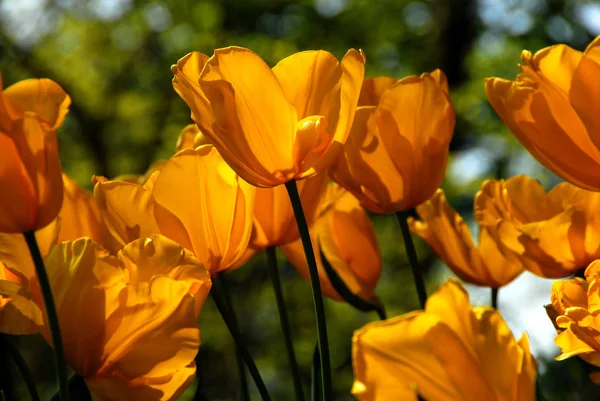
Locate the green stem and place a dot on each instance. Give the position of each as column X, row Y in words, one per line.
column 217, row 297
column 285, row 321
column 412, row 258
column 245, row 394
column 495, row 298
column 22, row 367
column 315, row 283
column 61, row 364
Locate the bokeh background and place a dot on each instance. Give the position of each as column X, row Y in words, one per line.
column 113, row 58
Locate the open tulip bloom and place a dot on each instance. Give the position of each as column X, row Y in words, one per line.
column 295, row 156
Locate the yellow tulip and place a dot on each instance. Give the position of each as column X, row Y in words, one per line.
column 576, row 303
column 449, row 351
column 195, row 199
column 446, row 232
column 552, row 109
column 274, row 221
column 129, row 322
column 30, row 177
column 19, row 292
column 395, row 156
column 345, row 235
column 554, row 234
column 272, row 125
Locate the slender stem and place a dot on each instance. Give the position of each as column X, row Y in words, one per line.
column 22, row 367
column 381, row 313
column 245, row 394
column 217, row 297
column 315, row 283
column 285, row 321
column 61, row 364
column 412, row 258
column 495, row 298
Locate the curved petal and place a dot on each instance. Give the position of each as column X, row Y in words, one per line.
column 203, row 205
column 80, row 216
column 373, row 88
column 254, row 124
column 584, row 95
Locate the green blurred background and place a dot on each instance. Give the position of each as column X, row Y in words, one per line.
column 113, row 58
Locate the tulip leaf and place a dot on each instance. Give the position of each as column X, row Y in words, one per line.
column 348, row 296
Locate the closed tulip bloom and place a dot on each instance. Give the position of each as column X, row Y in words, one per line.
column 129, row 322
column 395, row 156
column 344, row 234
column 576, row 303
column 447, row 233
column 195, row 199
column 30, row 177
column 274, row 221
column 553, row 233
column 272, row 125
column 449, row 351
column 551, row 107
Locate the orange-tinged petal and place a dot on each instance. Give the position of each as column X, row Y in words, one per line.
column 19, row 203
column 19, row 313
column 373, row 88
column 127, row 210
column 568, row 293
column 186, row 137
column 311, row 142
column 391, row 361
column 254, row 123
column 274, row 221
column 166, row 388
column 584, row 95
column 186, row 74
column 202, row 204
column 42, row 97
column 80, row 216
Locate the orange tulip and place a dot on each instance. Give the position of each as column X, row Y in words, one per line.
column 446, row 232
column 190, row 138
column 552, row 109
column 30, row 177
column 449, row 351
column 195, row 199
column 129, row 322
column 575, row 302
column 395, row 156
column 272, row 125
column 19, row 292
column 553, row 234
column 345, row 236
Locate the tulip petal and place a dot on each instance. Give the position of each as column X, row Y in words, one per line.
column 585, row 96
column 253, row 120
column 127, row 211
column 204, row 206
column 80, row 216
column 43, row 97
column 373, row 88
column 19, row 199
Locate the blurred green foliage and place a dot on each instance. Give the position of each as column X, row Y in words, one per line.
column 113, row 58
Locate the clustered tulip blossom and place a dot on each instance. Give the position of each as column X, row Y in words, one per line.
column 295, row 156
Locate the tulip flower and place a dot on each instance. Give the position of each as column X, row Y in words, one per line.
column 129, row 322
column 449, row 351
column 344, row 234
column 446, row 232
column 552, row 233
column 30, row 177
column 551, row 108
column 190, row 138
column 195, row 199
column 575, row 304
column 19, row 293
column 272, row 125
column 395, row 156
